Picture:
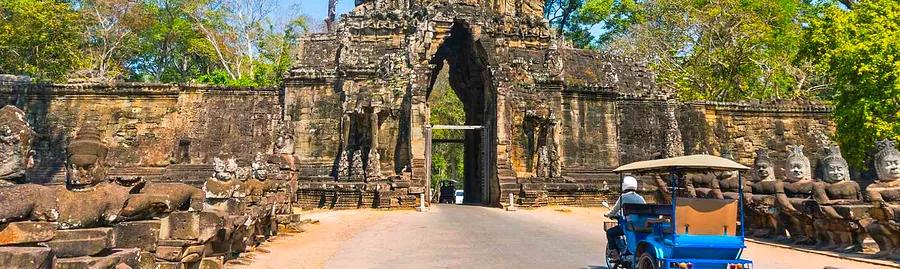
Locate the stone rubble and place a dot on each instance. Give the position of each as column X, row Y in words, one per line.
column 97, row 221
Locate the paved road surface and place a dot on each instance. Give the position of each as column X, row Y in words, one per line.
column 477, row 237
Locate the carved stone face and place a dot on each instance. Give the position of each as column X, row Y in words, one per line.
column 85, row 162
column 837, row 173
column 889, row 168
column 764, row 171
column 797, row 171
column 259, row 172
column 221, row 170
column 279, row 143
column 836, row 168
column 797, row 165
column 887, row 161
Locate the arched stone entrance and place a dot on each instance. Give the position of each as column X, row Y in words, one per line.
column 470, row 78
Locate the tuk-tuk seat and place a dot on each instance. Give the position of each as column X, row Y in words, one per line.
column 640, row 216
column 647, row 209
column 706, row 216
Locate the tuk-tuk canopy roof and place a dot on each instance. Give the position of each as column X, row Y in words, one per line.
column 691, row 162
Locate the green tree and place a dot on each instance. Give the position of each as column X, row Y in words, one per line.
column 171, row 49
column 564, row 16
column 860, row 49
column 721, row 50
column 41, row 39
column 447, row 160
column 112, row 28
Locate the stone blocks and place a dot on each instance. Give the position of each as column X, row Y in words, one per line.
column 117, row 258
column 80, row 242
column 138, row 234
column 26, row 232
column 181, row 225
column 26, row 257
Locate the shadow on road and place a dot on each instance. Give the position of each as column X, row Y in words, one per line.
column 595, row 267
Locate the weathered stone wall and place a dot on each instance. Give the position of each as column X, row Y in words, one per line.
column 743, row 128
column 147, row 125
column 556, row 119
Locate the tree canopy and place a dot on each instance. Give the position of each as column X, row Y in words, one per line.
column 860, row 48
column 722, row 50
column 229, row 42
column 41, row 39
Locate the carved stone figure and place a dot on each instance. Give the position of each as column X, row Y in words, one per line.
column 554, row 166
column 709, row 185
column 373, row 169
column 705, row 185
column 885, row 198
column 729, row 183
column 794, row 197
column 15, row 146
column 223, row 184
column 343, row 166
column 18, row 200
column 284, row 144
column 841, row 206
column 175, row 197
column 763, row 212
column 357, row 171
column 543, row 163
column 88, row 199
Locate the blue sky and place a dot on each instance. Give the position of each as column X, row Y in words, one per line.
column 315, row 9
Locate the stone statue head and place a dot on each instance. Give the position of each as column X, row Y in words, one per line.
column 15, row 146
column 224, row 169
column 887, row 161
column 258, row 168
column 232, row 167
column 836, row 168
column 284, row 143
column 797, row 165
column 763, row 168
column 86, row 159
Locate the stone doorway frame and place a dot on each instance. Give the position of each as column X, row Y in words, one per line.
column 485, row 162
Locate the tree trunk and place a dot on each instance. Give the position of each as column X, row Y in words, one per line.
column 567, row 9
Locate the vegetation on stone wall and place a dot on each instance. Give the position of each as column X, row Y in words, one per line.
column 226, row 42
column 860, row 48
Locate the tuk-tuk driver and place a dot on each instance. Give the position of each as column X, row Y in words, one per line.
column 629, row 196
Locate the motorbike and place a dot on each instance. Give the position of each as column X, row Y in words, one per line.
column 620, row 260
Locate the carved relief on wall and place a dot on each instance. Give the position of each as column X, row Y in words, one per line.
column 540, row 131
column 359, row 160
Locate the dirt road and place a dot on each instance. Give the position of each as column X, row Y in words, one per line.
column 475, row 237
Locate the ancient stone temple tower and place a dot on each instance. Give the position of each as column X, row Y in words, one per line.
column 547, row 113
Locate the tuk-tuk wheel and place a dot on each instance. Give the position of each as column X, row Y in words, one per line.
column 647, row 261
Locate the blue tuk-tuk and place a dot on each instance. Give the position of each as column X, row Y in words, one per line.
column 689, row 233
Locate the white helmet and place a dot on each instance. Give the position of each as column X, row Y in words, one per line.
column 629, row 183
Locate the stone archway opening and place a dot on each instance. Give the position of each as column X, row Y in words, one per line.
column 470, row 80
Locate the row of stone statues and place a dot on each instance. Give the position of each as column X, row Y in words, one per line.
column 96, row 222
column 831, row 212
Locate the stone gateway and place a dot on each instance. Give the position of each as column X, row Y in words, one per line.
column 554, row 120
